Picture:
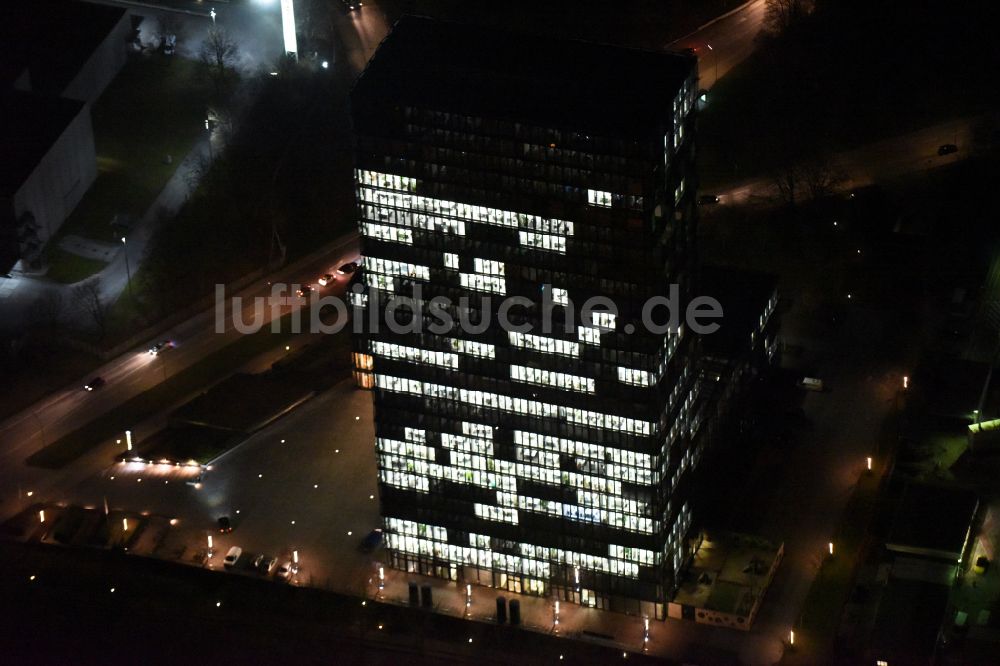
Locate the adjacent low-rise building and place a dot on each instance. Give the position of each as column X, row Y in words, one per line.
column 56, row 58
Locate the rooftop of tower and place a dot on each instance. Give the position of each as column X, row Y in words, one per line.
column 491, row 72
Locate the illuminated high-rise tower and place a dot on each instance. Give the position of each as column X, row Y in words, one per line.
column 491, row 165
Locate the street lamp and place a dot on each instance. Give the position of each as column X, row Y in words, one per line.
column 212, row 14
column 208, row 128
column 715, row 57
column 128, row 270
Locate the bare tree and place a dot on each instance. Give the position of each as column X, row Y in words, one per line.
column 779, row 15
column 88, row 295
column 821, row 177
column 220, row 53
column 812, row 178
column 787, row 181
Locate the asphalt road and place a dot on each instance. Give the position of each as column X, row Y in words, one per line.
column 725, row 42
column 135, row 372
column 885, row 159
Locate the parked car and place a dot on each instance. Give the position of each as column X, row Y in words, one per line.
column 372, row 541
column 284, row 572
column 947, row 149
column 708, row 199
column 160, row 347
column 347, row 268
column 94, row 384
column 811, row 384
column 351, row 5
column 304, row 291
column 225, row 525
column 232, row 557
column 325, row 279
column 264, row 564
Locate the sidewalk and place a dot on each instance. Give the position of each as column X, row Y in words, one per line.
column 670, row 639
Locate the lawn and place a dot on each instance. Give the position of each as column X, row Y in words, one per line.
column 155, row 107
column 68, row 268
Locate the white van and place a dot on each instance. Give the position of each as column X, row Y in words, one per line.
column 232, row 557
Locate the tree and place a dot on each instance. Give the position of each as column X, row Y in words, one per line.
column 779, row 15
column 171, row 24
column 812, row 178
column 220, row 53
column 821, row 178
column 88, row 295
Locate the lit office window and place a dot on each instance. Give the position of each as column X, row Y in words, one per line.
column 489, row 267
column 472, row 348
column 448, row 216
column 603, row 320
column 635, row 377
column 487, row 283
column 387, row 232
column 477, row 430
column 414, row 355
column 560, row 296
column 507, row 403
column 405, row 449
column 466, row 444
column 385, row 180
column 551, row 378
column 543, row 241
column 496, row 513
column 588, row 335
column 543, row 344
column 450, row 260
column 599, row 198
column 389, row 267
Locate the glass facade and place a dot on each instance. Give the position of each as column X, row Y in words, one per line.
column 542, row 461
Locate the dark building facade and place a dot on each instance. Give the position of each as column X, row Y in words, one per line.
column 544, row 460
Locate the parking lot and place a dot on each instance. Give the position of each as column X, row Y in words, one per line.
column 307, row 483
